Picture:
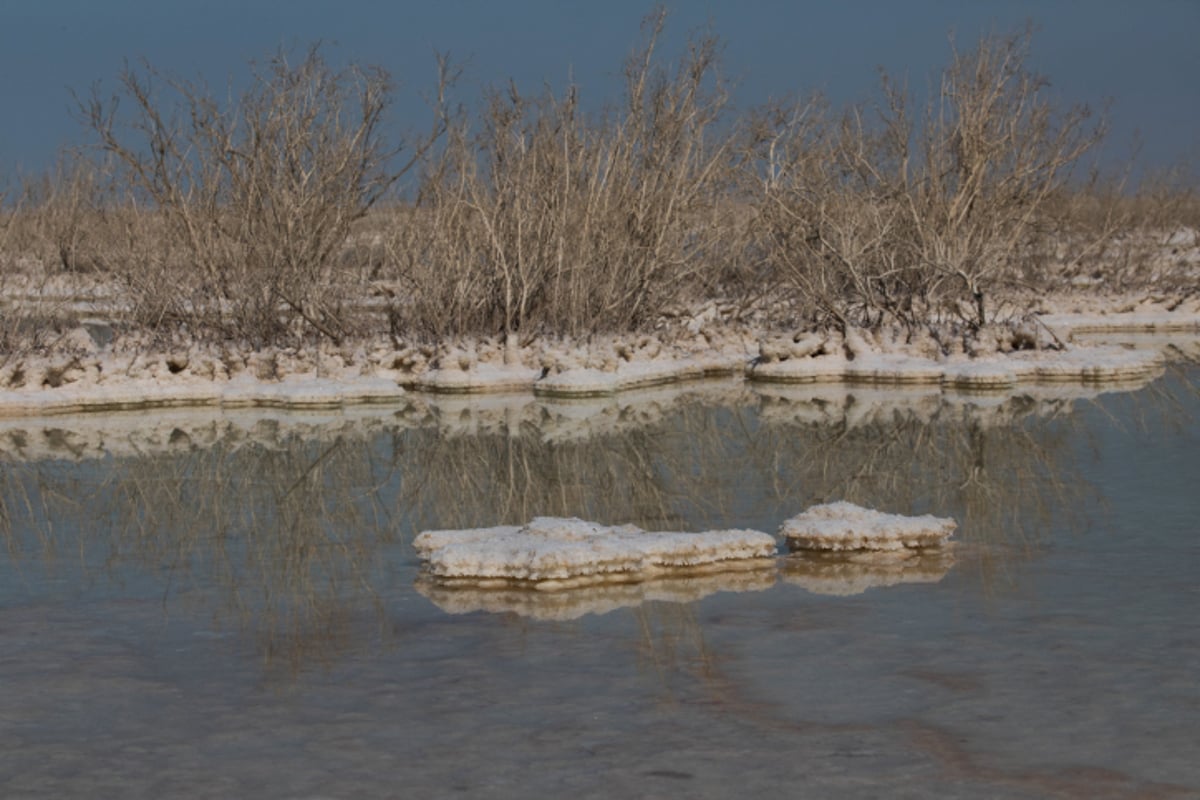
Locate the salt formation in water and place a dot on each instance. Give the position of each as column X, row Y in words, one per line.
column 596, row 598
column 845, row 526
column 553, row 553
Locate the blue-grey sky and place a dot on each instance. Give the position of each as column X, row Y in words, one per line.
column 1143, row 56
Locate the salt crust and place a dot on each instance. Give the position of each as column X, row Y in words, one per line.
column 594, row 599
column 479, row 378
column 844, row 574
column 1000, row 372
column 95, row 379
column 590, row 382
column 1067, row 325
column 553, row 553
column 241, row 392
column 844, row 526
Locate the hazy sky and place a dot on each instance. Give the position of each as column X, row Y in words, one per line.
column 1144, row 56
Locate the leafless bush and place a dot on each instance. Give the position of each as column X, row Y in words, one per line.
column 32, row 314
column 257, row 195
column 260, row 217
column 71, row 217
column 539, row 217
column 878, row 216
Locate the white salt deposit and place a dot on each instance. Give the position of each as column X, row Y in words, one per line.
column 592, row 382
column 1066, row 325
column 998, row 371
column 479, row 378
column 154, row 392
column 80, row 374
column 553, row 553
column 894, row 369
column 845, row 526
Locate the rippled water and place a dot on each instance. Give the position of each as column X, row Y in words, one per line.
column 211, row 606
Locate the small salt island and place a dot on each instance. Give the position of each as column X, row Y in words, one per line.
column 843, row 526
column 553, row 553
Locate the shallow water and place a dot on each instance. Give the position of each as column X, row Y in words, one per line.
column 211, row 606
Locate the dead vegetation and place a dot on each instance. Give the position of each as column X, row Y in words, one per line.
column 541, row 218
column 274, row 218
column 876, row 216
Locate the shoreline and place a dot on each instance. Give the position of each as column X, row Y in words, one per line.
column 84, row 377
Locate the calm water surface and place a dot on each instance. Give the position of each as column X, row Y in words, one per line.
column 218, row 606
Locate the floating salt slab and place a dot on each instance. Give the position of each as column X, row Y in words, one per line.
column 594, row 599
column 844, row 574
column 845, row 526
column 552, row 553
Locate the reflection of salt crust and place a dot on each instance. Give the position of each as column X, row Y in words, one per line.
column 551, row 553
column 854, row 573
column 594, row 599
column 845, row 526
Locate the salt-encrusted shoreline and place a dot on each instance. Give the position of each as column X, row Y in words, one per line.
column 82, row 376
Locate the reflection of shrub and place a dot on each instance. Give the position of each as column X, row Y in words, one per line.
column 259, row 194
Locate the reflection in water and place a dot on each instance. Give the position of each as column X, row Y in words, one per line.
column 294, row 526
column 843, row 574
column 594, row 599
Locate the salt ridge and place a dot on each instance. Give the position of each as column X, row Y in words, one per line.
column 553, row 553
column 102, row 381
column 842, row 526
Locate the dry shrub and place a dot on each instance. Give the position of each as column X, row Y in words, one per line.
column 260, row 217
column 72, row 218
column 33, row 314
column 539, row 218
column 256, row 195
column 876, row 216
